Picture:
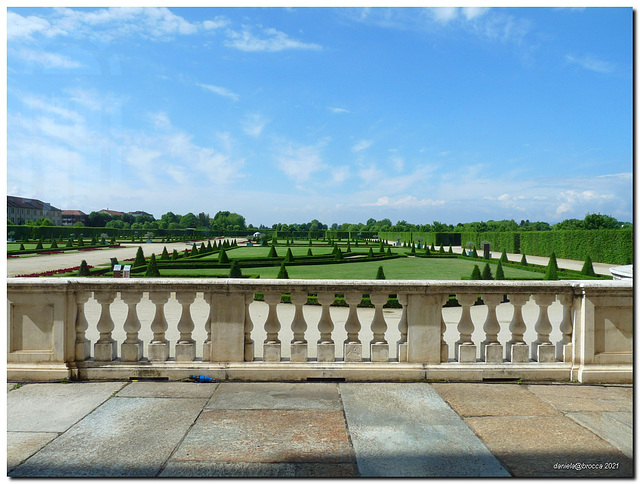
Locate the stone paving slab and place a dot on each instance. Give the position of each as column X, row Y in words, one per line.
column 257, row 469
column 479, row 399
column 125, row 437
column 168, row 390
column 37, row 407
column 407, row 430
column 534, row 446
column 584, row 398
column 267, row 436
column 22, row 445
column 277, row 396
column 614, row 427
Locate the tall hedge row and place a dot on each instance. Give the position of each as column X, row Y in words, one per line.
column 500, row 241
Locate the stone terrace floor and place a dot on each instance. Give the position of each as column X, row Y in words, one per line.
column 324, row 429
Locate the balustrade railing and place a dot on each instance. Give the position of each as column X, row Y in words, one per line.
column 79, row 328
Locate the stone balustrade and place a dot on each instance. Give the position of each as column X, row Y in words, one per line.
column 79, row 328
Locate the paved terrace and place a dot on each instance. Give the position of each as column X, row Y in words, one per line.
column 328, row 429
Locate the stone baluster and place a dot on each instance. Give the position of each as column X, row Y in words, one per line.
column 249, row 353
column 402, row 327
column 490, row 348
column 444, row 347
column 326, row 346
column 83, row 345
column 132, row 347
column 159, row 346
column 542, row 349
column 465, row 350
column 272, row 349
column 352, row 345
column 517, row 349
column 299, row 347
column 206, row 346
column 564, row 346
column 105, row 349
column 185, row 346
column 379, row 346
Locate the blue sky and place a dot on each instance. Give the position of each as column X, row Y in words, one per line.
column 335, row 114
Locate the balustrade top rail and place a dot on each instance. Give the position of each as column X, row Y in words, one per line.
column 424, row 287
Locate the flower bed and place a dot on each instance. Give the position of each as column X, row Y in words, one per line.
column 54, row 272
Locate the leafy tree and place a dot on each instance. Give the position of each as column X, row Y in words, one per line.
column 587, row 268
column 499, row 272
column 235, row 270
column 84, row 269
column 475, row 273
column 152, row 268
column 486, row 272
column 380, row 273
column 283, row 274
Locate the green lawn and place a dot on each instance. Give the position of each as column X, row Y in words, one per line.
column 404, row 268
column 297, row 251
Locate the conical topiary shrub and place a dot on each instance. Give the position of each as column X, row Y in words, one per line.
column 84, row 269
column 503, row 257
column 283, row 274
column 370, row 254
column 389, row 251
column 165, row 254
column 587, row 267
column 309, row 253
column 338, row 254
column 474, row 253
column 475, row 273
column 139, row 260
column 174, row 255
column 380, row 273
column 222, row 257
column 152, row 268
column 272, row 252
column 552, row 269
column 499, row 272
column 39, row 246
column 54, row 244
column 450, row 250
column 235, row 270
column 523, row 261
column 288, row 257
column 486, row 273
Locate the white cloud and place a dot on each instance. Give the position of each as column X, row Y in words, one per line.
column 336, row 110
column 299, row 163
column 160, row 120
column 361, row 145
column 45, row 59
column 22, row 28
column 339, row 175
column 471, row 13
column 217, row 23
column 591, row 63
column 221, row 91
column 407, row 201
column 272, row 41
column 444, row 14
column 254, row 124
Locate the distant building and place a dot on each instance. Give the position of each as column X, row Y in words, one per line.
column 71, row 217
column 19, row 210
column 111, row 212
column 140, row 212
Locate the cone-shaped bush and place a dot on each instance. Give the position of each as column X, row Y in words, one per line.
column 380, row 273
column 194, row 249
column 587, row 268
column 283, row 274
column 441, row 249
column 413, row 249
column 222, row 257
column 84, row 269
column 381, row 248
column 203, row 249
column 335, row 250
column 389, row 251
column 69, row 242
column 235, row 270
column 426, row 250
column 475, row 273
column 450, row 250
column 54, row 244
column 474, row 254
column 209, row 247
column 139, row 260
column 174, row 255
column 152, row 268
column 486, row 273
column 272, row 252
column 369, row 255
column 309, row 253
column 433, row 247
column 552, row 269
column 523, row 261
column 288, row 257
column 39, row 246
column 338, row 255
column 503, row 257
column 113, row 240
column 186, row 252
column 94, row 240
column 80, row 241
column 310, row 243
column 499, row 272
column 348, row 246
column 165, row 254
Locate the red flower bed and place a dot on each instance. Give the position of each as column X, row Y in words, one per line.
column 51, row 252
column 52, row 273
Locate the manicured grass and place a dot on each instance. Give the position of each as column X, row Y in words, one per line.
column 297, row 251
column 399, row 269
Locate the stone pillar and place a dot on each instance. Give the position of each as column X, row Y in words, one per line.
column 228, row 327
column 131, row 348
column 379, row 345
column 352, row 345
column 272, row 349
column 105, row 349
column 542, row 350
column 299, row 346
column 424, row 328
column 465, row 350
column 185, row 346
column 326, row 346
column 517, row 349
column 159, row 346
column 490, row 348
column 82, row 344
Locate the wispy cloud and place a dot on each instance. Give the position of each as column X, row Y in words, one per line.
column 45, row 59
column 221, row 91
column 336, row 110
column 591, row 63
column 253, row 124
column 271, row 40
column 361, row 145
column 407, row 201
column 299, row 163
